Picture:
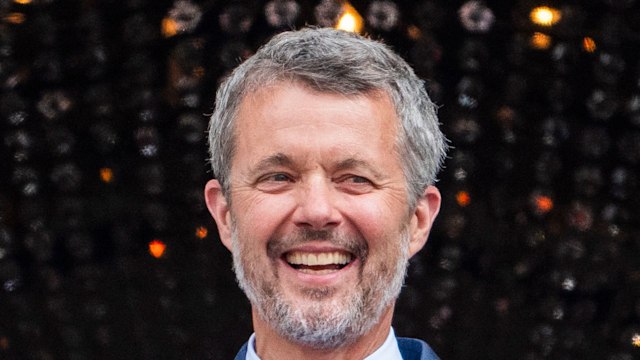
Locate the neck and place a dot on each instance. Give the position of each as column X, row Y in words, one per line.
column 271, row 346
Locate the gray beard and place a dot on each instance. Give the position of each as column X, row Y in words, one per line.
column 323, row 322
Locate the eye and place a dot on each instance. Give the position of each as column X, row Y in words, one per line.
column 274, row 182
column 358, row 179
column 355, row 184
column 278, row 177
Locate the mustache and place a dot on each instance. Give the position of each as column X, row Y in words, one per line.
column 356, row 245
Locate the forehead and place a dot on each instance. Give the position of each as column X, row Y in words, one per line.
column 277, row 91
column 295, row 103
column 291, row 116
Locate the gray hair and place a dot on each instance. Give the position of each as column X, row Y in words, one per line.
column 339, row 62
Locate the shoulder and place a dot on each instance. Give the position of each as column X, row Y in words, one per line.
column 414, row 349
column 242, row 354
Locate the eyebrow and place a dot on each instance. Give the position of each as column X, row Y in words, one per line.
column 278, row 159
column 352, row 163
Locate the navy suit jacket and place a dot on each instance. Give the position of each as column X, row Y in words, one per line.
column 411, row 349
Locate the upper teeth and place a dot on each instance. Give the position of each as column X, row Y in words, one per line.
column 324, row 258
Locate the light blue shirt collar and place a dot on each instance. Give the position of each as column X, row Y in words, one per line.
column 388, row 351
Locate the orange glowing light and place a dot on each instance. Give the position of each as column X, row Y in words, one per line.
column 15, row 18
column 201, row 232
column 106, row 175
column 22, row 2
column 635, row 340
column 169, row 27
column 414, row 32
column 540, row 41
column 588, row 44
column 545, row 16
column 463, row 198
column 157, row 248
column 350, row 20
column 543, row 204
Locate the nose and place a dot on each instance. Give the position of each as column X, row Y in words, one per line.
column 316, row 205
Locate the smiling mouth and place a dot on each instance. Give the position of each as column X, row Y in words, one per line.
column 318, row 263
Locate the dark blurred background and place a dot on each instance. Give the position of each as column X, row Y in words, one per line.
column 106, row 248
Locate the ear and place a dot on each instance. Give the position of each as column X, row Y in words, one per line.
column 219, row 209
column 427, row 208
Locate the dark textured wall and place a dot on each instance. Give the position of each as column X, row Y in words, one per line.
column 535, row 254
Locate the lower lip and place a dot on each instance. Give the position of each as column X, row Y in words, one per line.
column 319, row 279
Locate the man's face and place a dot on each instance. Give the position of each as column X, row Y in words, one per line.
column 318, row 221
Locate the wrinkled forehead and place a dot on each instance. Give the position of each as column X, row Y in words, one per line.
column 269, row 92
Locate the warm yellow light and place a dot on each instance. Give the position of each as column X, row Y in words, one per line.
column 540, row 41
column 350, row 20
column 106, row 175
column 545, row 16
column 635, row 340
column 15, row 18
column 22, row 2
column 157, row 248
column 588, row 44
column 201, row 232
column 169, row 27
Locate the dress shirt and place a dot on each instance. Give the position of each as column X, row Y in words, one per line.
column 388, row 351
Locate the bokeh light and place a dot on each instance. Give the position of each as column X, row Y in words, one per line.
column 545, row 15
column 106, row 175
column 350, row 19
column 463, row 198
column 201, row 232
column 588, row 44
column 541, row 41
column 157, row 248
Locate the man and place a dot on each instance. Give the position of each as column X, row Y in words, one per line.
column 324, row 148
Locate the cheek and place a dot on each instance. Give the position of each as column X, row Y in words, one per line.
column 377, row 220
column 259, row 217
